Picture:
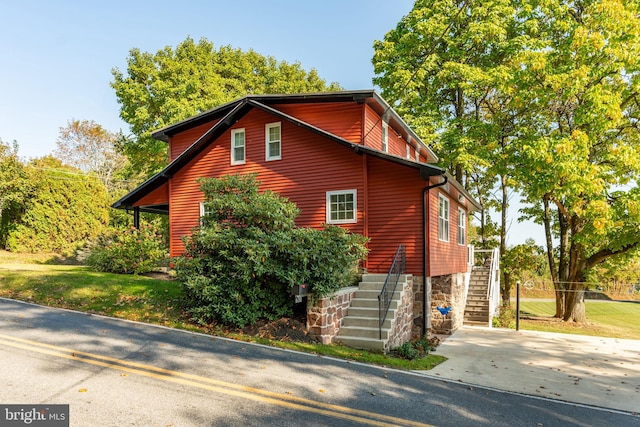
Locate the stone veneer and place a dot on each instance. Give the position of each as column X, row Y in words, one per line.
column 324, row 318
column 448, row 291
column 402, row 324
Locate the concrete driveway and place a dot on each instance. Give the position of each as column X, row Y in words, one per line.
column 595, row 371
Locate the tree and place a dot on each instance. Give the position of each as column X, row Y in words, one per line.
column 65, row 209
column 15, row 188
column 582, row 165
column 447, row 66
column 240, row 265
column 85, row 145
column 520, row 259
column 173, row 84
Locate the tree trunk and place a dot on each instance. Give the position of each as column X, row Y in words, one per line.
column 506, row 282
column 551, row 258
column 575, row 309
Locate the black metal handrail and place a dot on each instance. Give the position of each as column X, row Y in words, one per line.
column 386, row 295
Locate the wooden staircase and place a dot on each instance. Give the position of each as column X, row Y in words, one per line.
column 476, row 312
column 360, row 327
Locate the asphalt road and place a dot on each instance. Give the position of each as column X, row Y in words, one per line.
column 118, row 373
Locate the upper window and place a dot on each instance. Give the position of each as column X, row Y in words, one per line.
column 462, row 226
column 341, row 207
column 273, row 141
column 443, row 218
column 385, row 137
column 237, row 147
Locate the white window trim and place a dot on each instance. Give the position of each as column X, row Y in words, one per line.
column 417, row 153
column 442, row 220
column 233, row 147
column 355, row 207
column 385, row 137
column 267, row 127
column 203, row 212
column 408, row 152
column 462, row 226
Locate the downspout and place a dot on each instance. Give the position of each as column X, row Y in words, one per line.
column 425, row 248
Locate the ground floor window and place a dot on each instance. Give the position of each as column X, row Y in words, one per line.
column 341, row 207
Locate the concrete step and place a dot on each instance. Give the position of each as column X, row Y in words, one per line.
column 373, row 294
column 363, row 332
column 371, row 303
column 371, row 313
column 362, row 343
column 367, row 322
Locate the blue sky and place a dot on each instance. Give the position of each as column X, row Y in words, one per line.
column 57, row 57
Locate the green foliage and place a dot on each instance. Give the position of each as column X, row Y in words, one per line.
column 66, row 209
column 506, row 318
column 417, row 349
column 163, row 88
column 241, row 264
column 535, row 96
column 129, row 250
column 15, row 188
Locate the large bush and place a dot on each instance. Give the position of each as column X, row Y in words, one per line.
column 66, row 208
column 240, row 265
column 128, row 250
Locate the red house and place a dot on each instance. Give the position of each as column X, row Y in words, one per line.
column 344, row 158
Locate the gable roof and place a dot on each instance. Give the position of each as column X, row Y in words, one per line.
column 369, row 97
column 231, row 112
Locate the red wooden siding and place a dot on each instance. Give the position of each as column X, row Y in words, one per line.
column 394, row 215
column 180, row 142
column 445, row 257
column 310, row 166
column 341, row 119
column 159, row 196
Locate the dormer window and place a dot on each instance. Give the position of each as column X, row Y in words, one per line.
column 237, row 147
column 273, row 141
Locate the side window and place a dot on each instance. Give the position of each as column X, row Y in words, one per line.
column 385, row 137
column 443, row 218
column 273, row 141
column 237, row 147
column 341, row 207
column 462, row 226
column 203, row 212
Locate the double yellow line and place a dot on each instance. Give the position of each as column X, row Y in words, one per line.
column 244, row 392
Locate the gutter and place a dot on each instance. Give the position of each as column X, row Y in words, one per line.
column 425, row 247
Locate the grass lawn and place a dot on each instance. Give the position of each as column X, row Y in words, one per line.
column 37, row 279
column 616, row 319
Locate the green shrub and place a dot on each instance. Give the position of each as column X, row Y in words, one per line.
column 241, row 264
column 128, row 250
column 506, row 318
column 64, row 210
column 416, row 349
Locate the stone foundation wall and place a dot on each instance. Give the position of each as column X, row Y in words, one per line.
column 402, row 325
column 418, row 295
column 448, row 291
column 325, row 317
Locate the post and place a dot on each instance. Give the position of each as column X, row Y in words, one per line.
column 517, row 305
column 136, row 217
